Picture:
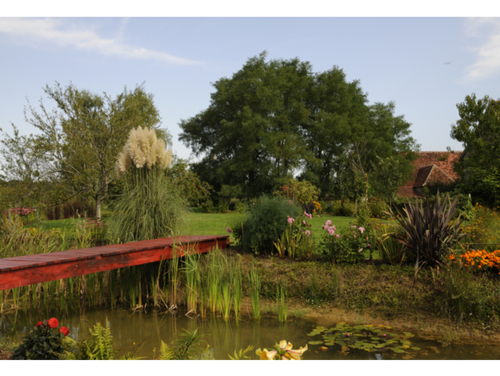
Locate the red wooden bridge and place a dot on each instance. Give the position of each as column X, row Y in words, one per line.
column 28, row 270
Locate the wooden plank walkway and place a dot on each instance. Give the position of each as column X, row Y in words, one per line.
column 28, row 270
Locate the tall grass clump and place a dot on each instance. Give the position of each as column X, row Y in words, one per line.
column 255, row 287
column 282, row 303
column 150, row 206
column 264, row 224
column 390, row 250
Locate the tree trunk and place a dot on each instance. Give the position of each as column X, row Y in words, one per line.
column 98, row 207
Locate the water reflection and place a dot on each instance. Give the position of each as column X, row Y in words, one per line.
column 223, row 336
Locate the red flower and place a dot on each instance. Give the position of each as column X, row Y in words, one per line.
column 39, row 324
column 64, row 330
column 53, row 323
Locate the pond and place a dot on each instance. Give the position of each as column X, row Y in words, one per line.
column 224, row 337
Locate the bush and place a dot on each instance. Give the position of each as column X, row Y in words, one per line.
column 264, row 224
column 301, row 191
column 43, row 342
column 344, row 208
column 378, row 207
column 484, row 228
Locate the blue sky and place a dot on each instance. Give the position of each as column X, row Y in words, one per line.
column 425, row 65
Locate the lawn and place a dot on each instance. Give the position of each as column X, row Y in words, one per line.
column 199, row 223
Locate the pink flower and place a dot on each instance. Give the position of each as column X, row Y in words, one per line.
column 290, row 220
column 331, row 231
column 304, row 222
column 369, row 245
column 308, row 233
column 362, row 229
column 228, row 230
column 337, row 236
column 334, row 228
column 328, row 223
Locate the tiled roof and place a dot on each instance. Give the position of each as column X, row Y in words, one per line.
column 430, row 166
column 407, row 192
column 422, row 175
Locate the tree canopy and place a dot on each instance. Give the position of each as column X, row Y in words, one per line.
column 274, row 120
column 479, row 130
column 79, row 140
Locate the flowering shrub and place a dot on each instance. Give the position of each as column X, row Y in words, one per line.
column 21, row 211
column 347, row 245
column 27, row 215
column 477, row 260
column 42, row 342
column 317, row 208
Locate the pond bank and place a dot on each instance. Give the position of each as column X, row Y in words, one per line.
column 374, row 293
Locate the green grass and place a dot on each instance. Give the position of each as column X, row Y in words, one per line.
column 199, row 223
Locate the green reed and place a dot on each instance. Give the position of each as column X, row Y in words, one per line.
column 282, row 304
column 226, row 298
column 174, row 275
column 191, row 270
column 213, row 281
column 237, row 286
column 255, row 287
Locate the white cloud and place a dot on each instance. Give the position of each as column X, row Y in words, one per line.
column 124, row 22
column 55, row 31
column 487, row 54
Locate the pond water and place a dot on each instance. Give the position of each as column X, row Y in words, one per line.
column 224, row 337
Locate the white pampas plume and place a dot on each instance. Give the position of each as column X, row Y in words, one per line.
column 143, row 148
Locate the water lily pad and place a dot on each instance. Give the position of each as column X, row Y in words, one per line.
column 315, row 342
column 399, row 351
column 415, row 348
column 408, row 334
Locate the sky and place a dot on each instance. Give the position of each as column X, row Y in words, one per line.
column 426, row 65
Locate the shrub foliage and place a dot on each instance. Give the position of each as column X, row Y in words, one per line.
column 264, row 224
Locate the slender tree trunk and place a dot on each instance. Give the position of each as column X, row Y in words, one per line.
column 98, row 207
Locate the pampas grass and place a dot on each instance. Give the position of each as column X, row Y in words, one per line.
column 150, row 207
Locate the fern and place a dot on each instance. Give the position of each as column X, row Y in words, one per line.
column 98, row 346
column 166, row 352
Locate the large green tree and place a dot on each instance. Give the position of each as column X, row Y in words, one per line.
column 250, row 135
column 275, row 119
column 479, row 131
column 79, row 140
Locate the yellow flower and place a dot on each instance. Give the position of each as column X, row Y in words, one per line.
column 266, row 354
column 290, row 352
